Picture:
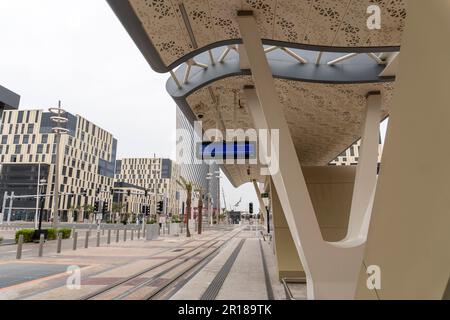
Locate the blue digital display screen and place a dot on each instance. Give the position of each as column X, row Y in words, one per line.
column 226, row 150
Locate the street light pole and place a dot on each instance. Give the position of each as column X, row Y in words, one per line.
column 42, row 200
column 59, row 120
column 37, row 197
column 209, row 177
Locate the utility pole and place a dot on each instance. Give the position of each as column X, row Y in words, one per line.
column 37, row 197
column 11, row 200
column 2, row 215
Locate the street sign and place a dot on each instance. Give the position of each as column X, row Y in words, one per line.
column 264, row 195
column 226, row 150
column 99, row 216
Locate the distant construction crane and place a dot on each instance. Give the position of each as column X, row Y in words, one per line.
column 237, row 204
column 224, row 199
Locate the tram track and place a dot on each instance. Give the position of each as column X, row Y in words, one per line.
column 147, row 288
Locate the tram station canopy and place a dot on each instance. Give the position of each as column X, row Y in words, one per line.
column 324, row 59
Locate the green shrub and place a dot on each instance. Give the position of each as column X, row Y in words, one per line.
column 65, row 233
column 1, row 239
column 151, row 221
column 27, row 235
column 51, row 234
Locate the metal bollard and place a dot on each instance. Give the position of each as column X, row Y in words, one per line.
column 139, row 234
column 103, row 232
column 98, row 239
column 132, row 235
column 59, row 245
column 117, row 235
column 109, row 237
column 19, row 247
column 72, row 233
column 41, row 245
column 125, row 235
column 75, row 240
column 86, row 241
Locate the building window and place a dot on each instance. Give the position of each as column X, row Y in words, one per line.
column 20, row 117
column 16, row 139
column 44, row 138
column 40, row 148
column 4, row 139
column 30, row 128
column 18, row 149
column 26, row 139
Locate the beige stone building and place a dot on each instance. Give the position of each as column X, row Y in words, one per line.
column 28, row 157
column 157, row 176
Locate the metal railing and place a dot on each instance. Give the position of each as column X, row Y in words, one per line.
column 287, row 290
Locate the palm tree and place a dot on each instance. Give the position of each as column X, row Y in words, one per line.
column 187, row 186
column 200, row 211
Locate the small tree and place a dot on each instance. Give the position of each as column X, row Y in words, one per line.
column 187, row 186
column 89, row 210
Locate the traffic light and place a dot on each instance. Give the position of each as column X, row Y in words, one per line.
column 160, row 206
column 96, row 206
column 146, row 193
column 105, row 207
column 250, row 207
column 147, row 210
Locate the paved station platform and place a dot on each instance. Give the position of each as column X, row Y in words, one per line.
column 236, row 270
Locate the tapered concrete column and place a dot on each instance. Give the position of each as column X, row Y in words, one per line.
column 409, row 235
column 288, row 261
column 331, row 268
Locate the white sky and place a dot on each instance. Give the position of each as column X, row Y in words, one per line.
column 78, row 52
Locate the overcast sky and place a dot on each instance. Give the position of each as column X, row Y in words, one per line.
column 78, row 52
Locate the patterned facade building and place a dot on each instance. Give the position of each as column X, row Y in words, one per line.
column 350, row 157
column 192, row 171
column 28, row 156
column 157, row 176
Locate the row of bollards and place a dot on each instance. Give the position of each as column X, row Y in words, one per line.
column 75, row 240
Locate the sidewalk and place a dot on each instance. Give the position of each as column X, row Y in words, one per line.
column 45, row 278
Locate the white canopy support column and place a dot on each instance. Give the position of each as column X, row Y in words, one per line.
column 366, row 172
column 262, row 206
column 331, row 269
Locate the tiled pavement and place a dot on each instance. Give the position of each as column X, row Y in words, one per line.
column 45, row 278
